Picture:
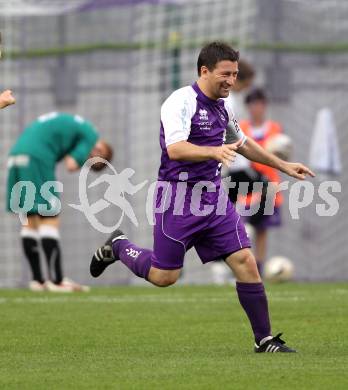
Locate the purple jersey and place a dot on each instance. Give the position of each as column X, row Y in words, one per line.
column 189, row 115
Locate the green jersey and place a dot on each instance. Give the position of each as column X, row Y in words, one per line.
column 54, row 135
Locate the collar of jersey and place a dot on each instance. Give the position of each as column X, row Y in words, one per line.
column 202, row 97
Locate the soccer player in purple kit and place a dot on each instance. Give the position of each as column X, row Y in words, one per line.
column 194, row 120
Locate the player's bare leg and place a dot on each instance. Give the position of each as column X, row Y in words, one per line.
column 163, row 278
column 244, row 267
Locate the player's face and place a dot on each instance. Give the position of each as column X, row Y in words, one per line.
column 221, row 79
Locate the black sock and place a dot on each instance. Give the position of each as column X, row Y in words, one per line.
column 51, row 249
column 31, row 251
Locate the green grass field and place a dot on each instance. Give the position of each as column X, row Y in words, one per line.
column 174, row 338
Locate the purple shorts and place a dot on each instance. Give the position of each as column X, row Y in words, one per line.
column 206, row 221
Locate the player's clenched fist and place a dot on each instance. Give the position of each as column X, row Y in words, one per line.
column 6, row 99
column 226, row 153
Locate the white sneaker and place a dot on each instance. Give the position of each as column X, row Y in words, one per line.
column 36, row 286
column 59, row 288
column 75, row 286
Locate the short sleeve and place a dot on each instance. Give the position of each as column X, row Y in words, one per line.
column 233, row 132
column 176, row 114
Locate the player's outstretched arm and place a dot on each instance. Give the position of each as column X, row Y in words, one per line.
column 6, row 99
column 254, row 152
column 186, row 151
column 297, row 170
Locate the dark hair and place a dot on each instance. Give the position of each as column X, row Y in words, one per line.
column 214, row 52
column 245, row 70
column 256, row 94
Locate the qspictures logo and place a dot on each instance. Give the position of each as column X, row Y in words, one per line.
column 120, row 188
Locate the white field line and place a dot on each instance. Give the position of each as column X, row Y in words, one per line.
column 340, row 291
column 137, row 299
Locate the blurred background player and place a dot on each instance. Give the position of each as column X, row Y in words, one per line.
column 6, row 98
column 49, row 139
column 262, row 130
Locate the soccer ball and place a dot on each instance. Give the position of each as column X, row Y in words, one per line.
column 281, row 145
column 279, row 269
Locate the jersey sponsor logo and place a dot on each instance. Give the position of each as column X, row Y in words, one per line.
column 205, row 126
column 204, row 122
column 203, row 114
column 133, row 253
